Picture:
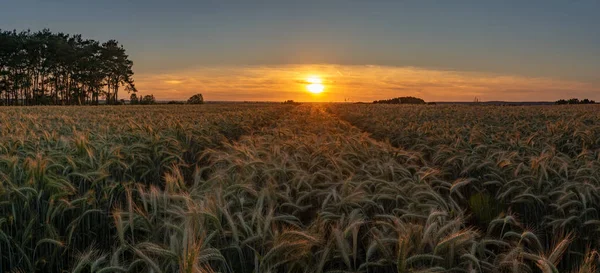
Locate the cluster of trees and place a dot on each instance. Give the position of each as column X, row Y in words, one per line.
column 291, row 102
column 196, row 99
column 134, row 99
column 402, row 100
column 142, row 100
column 574, row 101
column 56, row 68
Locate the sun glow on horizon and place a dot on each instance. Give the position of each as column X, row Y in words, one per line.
column 351, row 83
column 315, row 85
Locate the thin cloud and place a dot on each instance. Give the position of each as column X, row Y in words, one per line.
column 355, row 82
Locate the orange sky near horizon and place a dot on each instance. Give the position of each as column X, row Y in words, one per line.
column 354, row 83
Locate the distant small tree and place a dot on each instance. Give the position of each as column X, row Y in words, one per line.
column 133, row 99
column 148, row 99
column 196, row 99
column 575, row 101
column 292, row 102
column 401, row 100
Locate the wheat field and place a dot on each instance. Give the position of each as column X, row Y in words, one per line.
column 300, row 188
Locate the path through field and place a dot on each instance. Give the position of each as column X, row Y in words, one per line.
column 316, row 194
column 299, row 188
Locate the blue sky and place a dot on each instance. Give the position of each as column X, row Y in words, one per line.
column 554, row 40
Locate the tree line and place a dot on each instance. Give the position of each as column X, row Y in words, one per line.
column 401, row 100
column 134, row 99
column 46, row 68
column 142, row 100
column 574, row 101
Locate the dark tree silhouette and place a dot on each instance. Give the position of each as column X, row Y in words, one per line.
column 291, row 102
column 56, row 68
column 148, row 99
column 196, row 99
column 402, row 100
column 133, row 99
column 575, row 101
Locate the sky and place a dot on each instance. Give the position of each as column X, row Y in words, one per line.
column 363, row 50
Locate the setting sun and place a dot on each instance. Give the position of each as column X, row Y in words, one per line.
column 315, row 85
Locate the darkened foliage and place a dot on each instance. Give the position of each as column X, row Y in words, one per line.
column 196, row 99
column 133, row 99
column 291, row 102
column 402, row 100
column 575, row 101
column 175, row 102
column 39, row 68
column 148, row 99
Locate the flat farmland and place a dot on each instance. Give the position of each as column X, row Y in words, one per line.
column 299, row 188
